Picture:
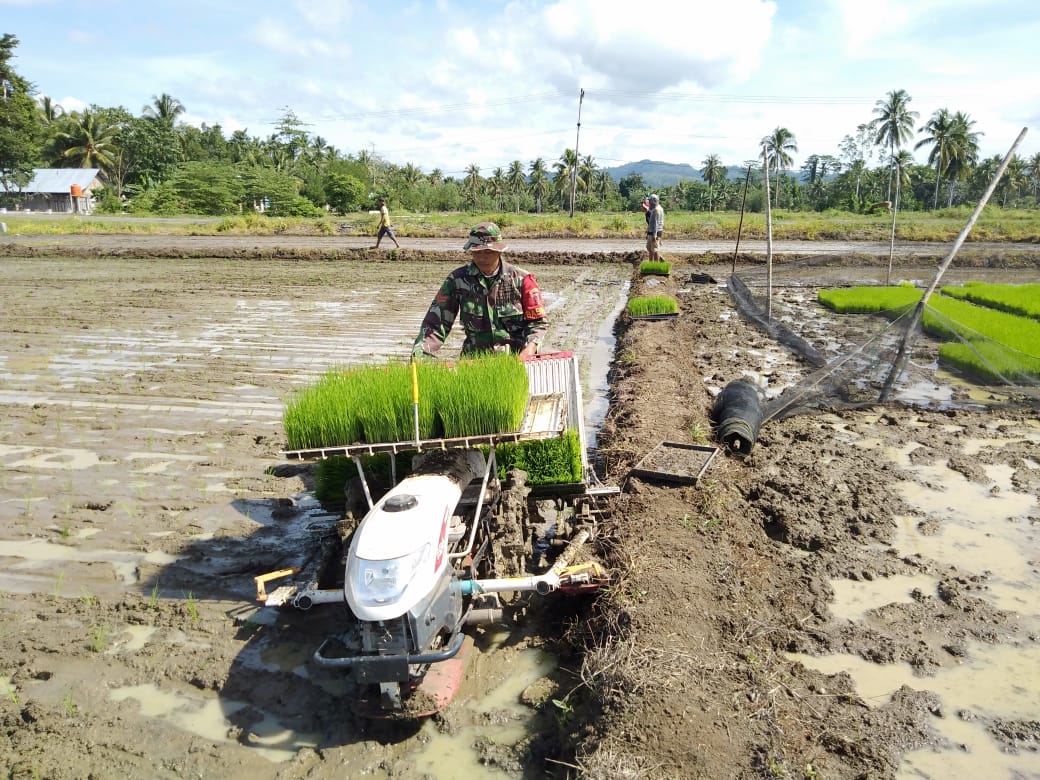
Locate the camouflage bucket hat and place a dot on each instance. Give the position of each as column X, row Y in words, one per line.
column 486, row 235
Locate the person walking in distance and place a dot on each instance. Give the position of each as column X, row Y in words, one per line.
column 654, row 228
column 499, row 304
column 385, row 228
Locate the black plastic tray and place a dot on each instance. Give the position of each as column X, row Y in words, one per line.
column 671, row 461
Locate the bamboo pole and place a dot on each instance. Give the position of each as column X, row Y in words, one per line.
column 769, row 239
column 901, row 355
column 892, row 234
column 740, row 224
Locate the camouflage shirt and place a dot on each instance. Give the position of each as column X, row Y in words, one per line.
column 501, row 311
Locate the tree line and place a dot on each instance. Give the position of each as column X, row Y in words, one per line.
column 154, row 164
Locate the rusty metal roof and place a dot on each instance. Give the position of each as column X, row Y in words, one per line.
column 60, row 179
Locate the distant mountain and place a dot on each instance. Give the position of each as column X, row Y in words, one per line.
column 663, row 174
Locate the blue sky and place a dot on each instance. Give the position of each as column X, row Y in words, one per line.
column 449, row 83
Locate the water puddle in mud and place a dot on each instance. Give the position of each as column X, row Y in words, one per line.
column 207, row 717
column 600, row 355
column 498, row 718
column 854, row 599
column 982, row 528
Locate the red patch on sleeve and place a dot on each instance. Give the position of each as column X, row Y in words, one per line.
column 532, row 299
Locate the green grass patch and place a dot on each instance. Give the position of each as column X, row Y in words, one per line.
column 1021, row 299
column 484, row 395
column 655, row 268
column 649, row 305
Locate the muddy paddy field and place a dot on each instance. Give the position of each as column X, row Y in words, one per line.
column 856, row 598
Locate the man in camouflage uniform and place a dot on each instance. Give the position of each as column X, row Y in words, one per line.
column 500, row 305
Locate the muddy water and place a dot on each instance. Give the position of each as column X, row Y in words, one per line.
column 986, row 528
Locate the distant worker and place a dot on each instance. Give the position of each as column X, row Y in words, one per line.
column 385, row 228
column 654, row 228
column 500, row 305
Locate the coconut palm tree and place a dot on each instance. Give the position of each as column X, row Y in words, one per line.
column 963, row 150
column 712, row 173
column 496, row 186
column 50, row 112
column 939, row 129
column 164, row 108
column 565, row 168
column 538, row 182
column 777, row 147
column 516, row 181
column 1033, row 170
column 1013, row 179
column 471, row 185
column 87, row 140
column 894, row 124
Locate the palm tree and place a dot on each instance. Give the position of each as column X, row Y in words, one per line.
column 939, row 128
column 50, row 112
column 496, row 186
column 963, row 150
column 1033, row 171
column 538, row 182
column 566, row 167
column 894, row 124
column 164, row 108
column 471, row 184
column 712, row 172
column 436, row 177
column 777, row 147
column 516, row 181
column 1013, row 179
column 87, row 140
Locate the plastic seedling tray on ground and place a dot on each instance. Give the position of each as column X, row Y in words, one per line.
column 671, row 461
column 671, row 316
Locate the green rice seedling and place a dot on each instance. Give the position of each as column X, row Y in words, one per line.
column 1021, row 299
column 655, row 268
column 948, row 316
column 990, row 361
column 69, row 705
column 12, row 695
column 192, row 605
column 652, row 305
column 99, row 636
column 153, row 601
column 483, row 395
column 546, row 461
column 56, row 592
column 893, row 301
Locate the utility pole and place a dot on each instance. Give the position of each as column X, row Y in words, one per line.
column 577, row 159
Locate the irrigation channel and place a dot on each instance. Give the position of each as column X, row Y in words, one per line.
column 142, row 490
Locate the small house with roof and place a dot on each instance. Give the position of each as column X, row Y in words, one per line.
column 63, row 190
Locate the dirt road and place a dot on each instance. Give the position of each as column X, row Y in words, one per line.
column 142, row 403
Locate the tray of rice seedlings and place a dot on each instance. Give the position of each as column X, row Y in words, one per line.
column 483, row 395
column 655, row 268
column 891, row 301
column 984, row 342
column 546, row 461
column 1021, row 299
column 653, row 307
column 373, row 405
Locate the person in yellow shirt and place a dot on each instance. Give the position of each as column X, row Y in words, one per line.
column 385, row 228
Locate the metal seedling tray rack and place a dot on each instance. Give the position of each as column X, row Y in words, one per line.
column 670, row 461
